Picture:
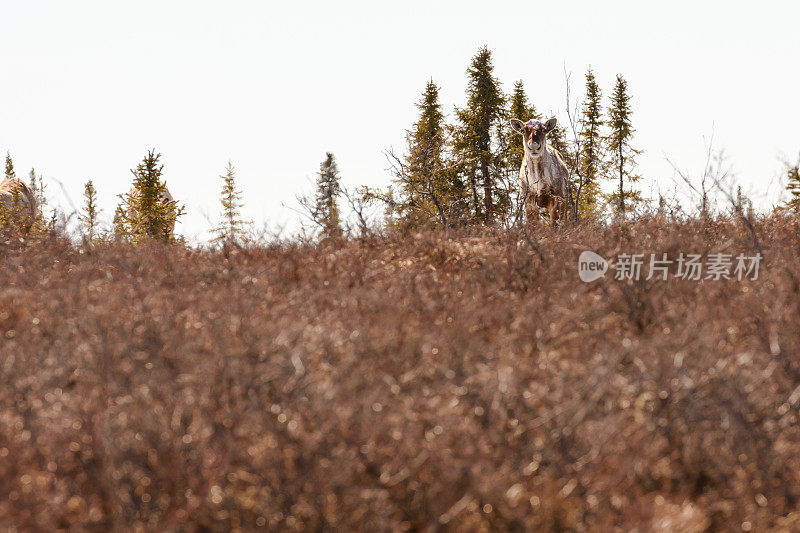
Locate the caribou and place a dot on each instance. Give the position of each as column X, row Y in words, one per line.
column 17, row 202
column 543, row 176
column 167, row 201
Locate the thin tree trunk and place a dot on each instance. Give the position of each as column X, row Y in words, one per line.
column 473, row 187
column 487, row 191
column 621, row 190
column 432, row 194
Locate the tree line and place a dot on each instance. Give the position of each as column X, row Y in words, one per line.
column 146, row 213
column 452, row 172
column 466, row 171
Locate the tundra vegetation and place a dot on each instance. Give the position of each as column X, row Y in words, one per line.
column 440, row 368
column 232, row 227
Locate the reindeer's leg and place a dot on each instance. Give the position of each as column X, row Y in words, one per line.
column 531, row 211
column 560, row 209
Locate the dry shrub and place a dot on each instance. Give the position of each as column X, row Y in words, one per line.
column 465, row 381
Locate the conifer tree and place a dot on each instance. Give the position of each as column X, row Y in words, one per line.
column 793, row 186
column 465, row 172
column 147, row 212
column 10, row 174
column 425, row 188
column 506, row 177
column 231, row 227
column 558, row 140
column 522, row 109
column 12, row 213
column 326, row 209
column 38, row 188
column 476, row 139
column 621, row 152
column 41, row 194
column 33, row 183
column 120, row 223
column 90, row 212
column 591, row 145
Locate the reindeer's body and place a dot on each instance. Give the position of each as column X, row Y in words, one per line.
column 17, row 198
column 166, row 199
column 543, row 176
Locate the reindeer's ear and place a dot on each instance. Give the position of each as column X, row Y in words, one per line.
column 550, row 125
column 517, row 125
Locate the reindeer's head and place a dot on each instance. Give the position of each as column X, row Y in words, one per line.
column 534, row 134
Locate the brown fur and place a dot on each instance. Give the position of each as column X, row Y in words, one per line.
column 543, row 175
column 16, row 195
column 166, row 198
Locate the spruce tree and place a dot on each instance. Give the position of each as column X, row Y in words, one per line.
column 591, row 145
column 621, row 152
column 476, row 138
column 14, row 212
column 90, row 212
column 326, row 209
column 522, row 109
column 231, row 227
column 465, row 172
column 147, row 212
column 506, row 177
column 41, row 195
column 120, row 222
column 426, row 188
column 38, row 188
column 793, row 186
column 10, row 174
column 558, row 140
column 33, row 184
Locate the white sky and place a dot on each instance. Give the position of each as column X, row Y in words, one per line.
column 89, row 86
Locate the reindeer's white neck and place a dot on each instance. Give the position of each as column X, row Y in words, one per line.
column 534, row 168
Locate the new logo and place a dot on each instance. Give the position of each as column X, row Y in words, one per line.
column 591, row 266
